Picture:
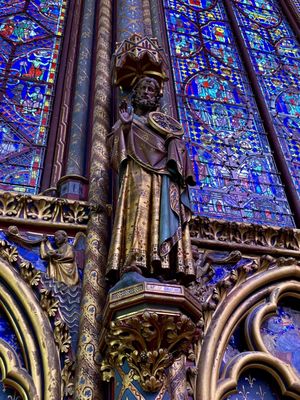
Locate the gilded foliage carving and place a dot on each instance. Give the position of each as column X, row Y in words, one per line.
column 43, row 209
column 62, row 336
column 30, row 274
column 75, row 213
column 40, row 209
column 8, row 205
column 8, row 252
column 68, row 375
column 48, row 302
column 203, row 229
column 149, row 342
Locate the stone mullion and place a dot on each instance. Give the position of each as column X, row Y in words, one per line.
column 79, row 125
column 292, row 9
column 61, row 112
column 168, row 101
column 88, row 383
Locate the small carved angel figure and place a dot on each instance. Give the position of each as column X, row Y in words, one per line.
column 62, row 265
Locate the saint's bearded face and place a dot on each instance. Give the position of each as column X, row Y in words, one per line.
column 146, row 94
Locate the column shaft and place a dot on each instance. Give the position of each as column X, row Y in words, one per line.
column 88, row 382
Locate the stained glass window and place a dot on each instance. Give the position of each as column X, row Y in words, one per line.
column 236, row 175
column 275, row 55
column 257, row 385
column 281, row 335
column 30, row 42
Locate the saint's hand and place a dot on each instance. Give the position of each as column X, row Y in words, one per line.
column 126, row 115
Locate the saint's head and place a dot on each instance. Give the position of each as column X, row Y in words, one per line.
column 146, row 95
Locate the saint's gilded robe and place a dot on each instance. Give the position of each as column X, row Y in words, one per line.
column 151, row 221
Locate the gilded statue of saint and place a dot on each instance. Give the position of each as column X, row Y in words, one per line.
column 62, row 265
column 150, row 232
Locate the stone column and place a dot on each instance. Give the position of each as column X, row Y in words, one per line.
column 88, row 382
column 73, row 184
column 168, row 104
column 129, row 18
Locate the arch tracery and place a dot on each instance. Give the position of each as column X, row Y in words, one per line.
column 260, row 294
column 41, row 377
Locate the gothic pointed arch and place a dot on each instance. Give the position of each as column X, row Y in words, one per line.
column 39, row 376
column 251, row 302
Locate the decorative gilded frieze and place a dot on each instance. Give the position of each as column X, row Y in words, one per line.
column 20, row 209
column 248, row 238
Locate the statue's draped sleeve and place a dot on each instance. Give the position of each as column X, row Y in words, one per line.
column 179, row 163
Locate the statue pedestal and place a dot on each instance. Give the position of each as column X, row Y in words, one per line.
column 146, row 327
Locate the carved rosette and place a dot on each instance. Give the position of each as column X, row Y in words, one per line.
column 149, row 342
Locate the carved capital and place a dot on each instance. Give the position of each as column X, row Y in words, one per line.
column 149, row 325
column 149, row 342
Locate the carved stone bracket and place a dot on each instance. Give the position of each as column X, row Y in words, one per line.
column 149, row 342
column 149, row 325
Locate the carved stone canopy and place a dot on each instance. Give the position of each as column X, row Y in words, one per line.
column 137, row 57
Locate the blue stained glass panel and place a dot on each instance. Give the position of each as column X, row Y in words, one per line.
column 256, row 385
column 236, row 175
column 281, row 335
column 7, row 393
column 265, row 28
column 8, row 335
column 31, row 40
column 11, row 6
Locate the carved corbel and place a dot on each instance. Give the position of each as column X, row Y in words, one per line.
column 149, row 340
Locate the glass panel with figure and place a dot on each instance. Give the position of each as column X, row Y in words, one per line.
column 275, row 56
column 236, row 175
column 30, row 41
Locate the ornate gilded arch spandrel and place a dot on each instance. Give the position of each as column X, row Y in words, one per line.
column 229, row 312
column 42, row 361
column 14, row 375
